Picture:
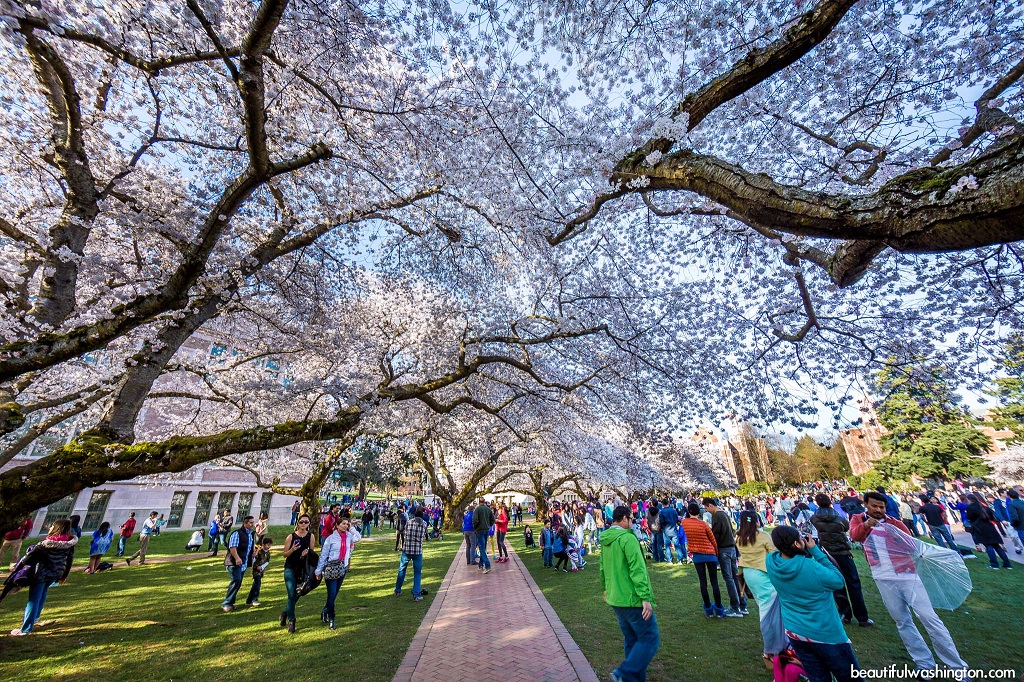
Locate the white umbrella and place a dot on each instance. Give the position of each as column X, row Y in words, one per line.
column 942, row 571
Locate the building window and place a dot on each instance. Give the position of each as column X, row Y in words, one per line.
column 225, row 501
column 61, row 509
column 244, row 505
column 177, row 509
column 265, row 503
column 97, row 509
column 203, row 503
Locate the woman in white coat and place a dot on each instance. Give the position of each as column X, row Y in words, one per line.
column 335, row 555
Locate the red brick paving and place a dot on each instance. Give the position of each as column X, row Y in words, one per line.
column 496, row 626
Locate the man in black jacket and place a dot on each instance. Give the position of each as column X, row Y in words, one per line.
column 483, row 519
column 832, row 529
column 728, row 556
column 851, row 504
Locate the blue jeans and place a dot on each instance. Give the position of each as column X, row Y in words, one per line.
column 672, row 542
column 291, row 586
column 943, row 537
column 823, row 661
column 481, row 545
column 366, row 529
column 121, row 541
column 254, row 591
column 470, row 546
column 641, row 641
column 657, row 547
column 417, row 570
column 333, row 587
column 728, row 561
column 34, row 607
column 549, row 556
column 992, row 551
column 236, row 573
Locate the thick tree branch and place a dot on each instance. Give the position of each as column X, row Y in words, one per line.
column 810, row 29
column 36, row 430
column 988, row 118
column 57, row 289
column 927, row 210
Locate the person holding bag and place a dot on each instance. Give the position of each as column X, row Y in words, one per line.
column 296, row 549
column 335, row 555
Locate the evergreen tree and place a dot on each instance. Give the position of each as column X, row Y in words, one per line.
column 930, row 434
column 1009, row 390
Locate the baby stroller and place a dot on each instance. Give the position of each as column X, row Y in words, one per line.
column 435, row 534
column 645, row 541
column 576, row 560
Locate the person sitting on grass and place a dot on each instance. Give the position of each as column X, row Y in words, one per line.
column 101, row 539
column 195, row 543
column 528, row 537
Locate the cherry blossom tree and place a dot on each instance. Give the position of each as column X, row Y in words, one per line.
column 378, row 211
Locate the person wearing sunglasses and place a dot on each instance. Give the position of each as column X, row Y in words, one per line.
column 296, row 549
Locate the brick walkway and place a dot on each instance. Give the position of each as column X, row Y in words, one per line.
column 496, row 626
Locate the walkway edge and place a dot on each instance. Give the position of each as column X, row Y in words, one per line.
column 579, row 662
column 419, row 641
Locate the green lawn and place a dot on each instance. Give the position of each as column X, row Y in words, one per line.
column 986, row 628
column 163, row 622
column 168, row 543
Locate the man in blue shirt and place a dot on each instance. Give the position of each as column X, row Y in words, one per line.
column 669, row 519
column 241, row 544
column 467, row 532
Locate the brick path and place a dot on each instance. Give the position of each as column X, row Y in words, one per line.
column 496, row 626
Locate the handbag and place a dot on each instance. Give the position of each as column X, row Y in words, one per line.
column 335, row 570
column 23, row 575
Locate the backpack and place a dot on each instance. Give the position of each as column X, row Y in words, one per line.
column 786, row 667
column 559, row 545
column 104, row 566
column 22, row 576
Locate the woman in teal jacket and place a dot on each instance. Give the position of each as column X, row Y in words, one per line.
column 805, row 580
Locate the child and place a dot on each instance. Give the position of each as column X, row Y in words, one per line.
column 547, row 540
column 260, row 561
column 528, row 537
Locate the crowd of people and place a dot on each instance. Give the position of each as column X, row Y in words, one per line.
column 802, row 574
column 790, row 553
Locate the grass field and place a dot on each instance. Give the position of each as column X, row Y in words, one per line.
column 987, row 628
column 163, row 622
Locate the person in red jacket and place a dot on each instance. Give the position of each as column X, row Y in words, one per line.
column 890, row 553
column 127, row 529
column 501, row 530
column 13, row 540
